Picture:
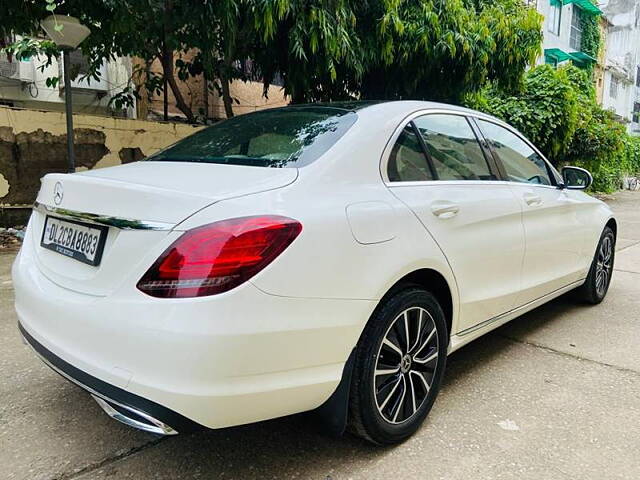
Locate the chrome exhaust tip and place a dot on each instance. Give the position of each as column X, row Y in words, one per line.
column 133, row 418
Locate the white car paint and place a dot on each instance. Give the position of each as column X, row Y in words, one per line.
column 277, row 344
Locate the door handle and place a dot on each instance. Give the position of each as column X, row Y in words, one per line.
column 444, row 209
column 532, row 200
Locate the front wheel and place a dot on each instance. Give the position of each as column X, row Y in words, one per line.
column 399, row 365
column 598, row 280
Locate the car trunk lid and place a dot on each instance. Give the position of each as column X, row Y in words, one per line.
column 140, row 203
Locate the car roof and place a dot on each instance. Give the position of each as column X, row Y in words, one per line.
column 397, row 106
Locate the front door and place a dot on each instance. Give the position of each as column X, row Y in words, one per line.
column 553, row 229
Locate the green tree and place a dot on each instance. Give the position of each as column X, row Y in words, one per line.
column 392, row 49
column 323, row 49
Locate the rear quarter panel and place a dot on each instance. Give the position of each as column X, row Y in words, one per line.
column 326, row 261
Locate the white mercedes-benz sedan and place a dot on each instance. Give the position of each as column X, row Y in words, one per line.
column 317, row 257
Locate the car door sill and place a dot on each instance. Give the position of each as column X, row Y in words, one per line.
column 465, row 336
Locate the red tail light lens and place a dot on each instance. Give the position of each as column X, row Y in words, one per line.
column 218, row 257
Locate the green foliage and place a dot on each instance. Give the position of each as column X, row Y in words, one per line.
column 476, row 51
column 545, row 109
column 557, row 110
column 443, row 49
column 323, row 49
column 590, row 42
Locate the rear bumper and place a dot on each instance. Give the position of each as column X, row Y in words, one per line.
column 126, row 407
column 235, row 358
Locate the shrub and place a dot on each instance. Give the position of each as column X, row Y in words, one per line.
column 544, row 109
column 557, row 111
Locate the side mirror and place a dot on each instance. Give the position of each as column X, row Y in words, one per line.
column 576, row 178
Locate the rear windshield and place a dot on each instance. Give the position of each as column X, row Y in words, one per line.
column 285, row 137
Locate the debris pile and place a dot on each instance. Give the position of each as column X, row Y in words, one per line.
column 11, row 237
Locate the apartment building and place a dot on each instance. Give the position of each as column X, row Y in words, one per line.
column 622, row 61
column 24, row 84
column 616, row 67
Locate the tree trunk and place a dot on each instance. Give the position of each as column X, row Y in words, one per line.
column 168, row 67
column 226, row 94
column 205, row 95
column 139, row 77
column 298, row 97
column 165, row 98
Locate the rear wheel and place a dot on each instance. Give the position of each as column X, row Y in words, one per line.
column 399, row 365
column 597, row 283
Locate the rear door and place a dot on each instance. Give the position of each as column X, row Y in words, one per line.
column 438, row 168
column 553, row 230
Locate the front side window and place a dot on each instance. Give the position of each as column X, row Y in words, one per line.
column 407, row 162
column 555, row 16
column 282, row 137
column 453, row 147
column 575, row 38
column 521, row 162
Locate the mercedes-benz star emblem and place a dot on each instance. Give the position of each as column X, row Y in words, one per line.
column 58, row 193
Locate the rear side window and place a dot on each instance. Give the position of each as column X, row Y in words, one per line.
column 283, row 137
column 408, row 162
column 453, row 148
column 521, row 162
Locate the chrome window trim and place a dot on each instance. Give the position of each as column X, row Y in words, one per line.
column 109, row 221
column 386, row 153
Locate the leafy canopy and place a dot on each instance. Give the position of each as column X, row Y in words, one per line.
column 323, row 49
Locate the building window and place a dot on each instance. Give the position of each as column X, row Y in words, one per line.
column 638, row 76
column 636, row 112
column 555, row 16
column 575, row 39
column 613, row 88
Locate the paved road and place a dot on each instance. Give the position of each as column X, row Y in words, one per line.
column 552, row 395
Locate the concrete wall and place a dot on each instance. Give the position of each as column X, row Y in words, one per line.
column 33, row 143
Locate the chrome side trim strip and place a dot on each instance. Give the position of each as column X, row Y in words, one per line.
column 117, row 222
column 523, row 308
column 155, row 426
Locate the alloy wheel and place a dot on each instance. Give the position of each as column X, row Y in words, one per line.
column 603, row 265
column 406, row 365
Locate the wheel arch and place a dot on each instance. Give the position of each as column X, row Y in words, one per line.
column 332, row 414
column 432, row 281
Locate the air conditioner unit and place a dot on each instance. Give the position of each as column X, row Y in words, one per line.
column 15, row 71
column 79, row 70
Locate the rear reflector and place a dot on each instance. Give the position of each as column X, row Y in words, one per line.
column 217, row 257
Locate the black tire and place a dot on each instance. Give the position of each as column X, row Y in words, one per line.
column 598, row 280
column 373, row 416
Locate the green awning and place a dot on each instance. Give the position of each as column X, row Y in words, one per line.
column 582, row 58
column 585, row 5
column 555, row 55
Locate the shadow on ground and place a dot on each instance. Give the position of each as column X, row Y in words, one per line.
column 296, row 447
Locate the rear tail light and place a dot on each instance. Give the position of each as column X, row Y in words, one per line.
column 218, row 257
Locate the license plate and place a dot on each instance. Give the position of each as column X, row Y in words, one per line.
column 77, row 240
